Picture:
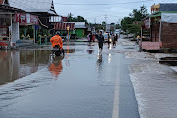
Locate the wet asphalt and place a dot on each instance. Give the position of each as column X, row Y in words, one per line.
column 34, row 84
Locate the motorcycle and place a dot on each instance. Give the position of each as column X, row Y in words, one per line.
column 57, row 51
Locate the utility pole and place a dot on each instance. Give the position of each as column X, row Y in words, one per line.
column 105, row 18
column 105, row 21
column 95, row 20
column 119, row 21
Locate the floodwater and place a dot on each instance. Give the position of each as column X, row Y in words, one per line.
column 35, row 84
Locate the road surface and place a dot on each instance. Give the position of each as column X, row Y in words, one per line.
column 81, row 85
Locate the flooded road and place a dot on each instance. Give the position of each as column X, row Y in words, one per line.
column 33, row 84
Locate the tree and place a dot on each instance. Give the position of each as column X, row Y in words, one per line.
column 70, row 17
column 138, row 15
column 112, row 24
column 118, row 26
column 103, row 23
column 125, row 23
column 99, row 26
column 128, row 23
column 76, row 19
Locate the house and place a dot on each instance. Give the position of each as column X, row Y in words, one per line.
column 9, row 31
column 77, row 28
column 80, row 29
column 162, row 26
column 44, row 9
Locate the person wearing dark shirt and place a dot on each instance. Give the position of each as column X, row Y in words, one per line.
column 91, row 37
column 116, row 37
column 100, row 41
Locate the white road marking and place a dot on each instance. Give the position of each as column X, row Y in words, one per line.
column 115, row 113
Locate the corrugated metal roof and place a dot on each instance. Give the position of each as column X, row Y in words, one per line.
column 33, row 5
column 79, row 24
column 168, row 7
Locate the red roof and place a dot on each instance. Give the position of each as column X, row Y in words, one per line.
column 63, row 26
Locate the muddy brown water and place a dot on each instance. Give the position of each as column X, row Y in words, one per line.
column 18, row 64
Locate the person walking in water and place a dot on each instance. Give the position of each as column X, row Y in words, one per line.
column 100, row 41
column 57, row 42
column 109, row 40
column 91, row 37
column 116, row 37
column 114, row 40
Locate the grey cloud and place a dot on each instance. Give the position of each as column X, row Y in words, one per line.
column 114, row 12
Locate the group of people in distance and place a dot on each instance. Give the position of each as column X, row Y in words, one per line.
column 111, row 38
column 58, row 43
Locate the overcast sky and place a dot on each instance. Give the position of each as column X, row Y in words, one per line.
column 114, row 10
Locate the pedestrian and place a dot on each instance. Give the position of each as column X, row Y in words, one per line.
column 57, row 42
column 100, row 41
column 109, row 38
column 114, row 40
column 91, row 37
column 88, row 37
column 137, row 39
column 116, row 37
column 96, row 36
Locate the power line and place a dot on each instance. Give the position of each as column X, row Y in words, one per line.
column 171, row 1
column 93, row 4
column 163, row 1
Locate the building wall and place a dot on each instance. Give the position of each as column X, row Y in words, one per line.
column 80, row 32
column 169, row 35
column 155, row 32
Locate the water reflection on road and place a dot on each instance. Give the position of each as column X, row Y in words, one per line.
column 56, row 66
column 23, row 71
column 18, row 64
column 37, row 85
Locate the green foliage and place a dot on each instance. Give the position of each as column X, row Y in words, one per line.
column 76, row 19
column 97, row 27
column 38, row 42
column 112, row 24
column 134, row 29
column 118, row 26
column 70, row 17
column 125, row 23
column 103, row 23
column 128, row 24
column 138, row 15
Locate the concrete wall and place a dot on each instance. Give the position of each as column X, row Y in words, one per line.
column 169, row 35
column 155, row 32
column 80, row 32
